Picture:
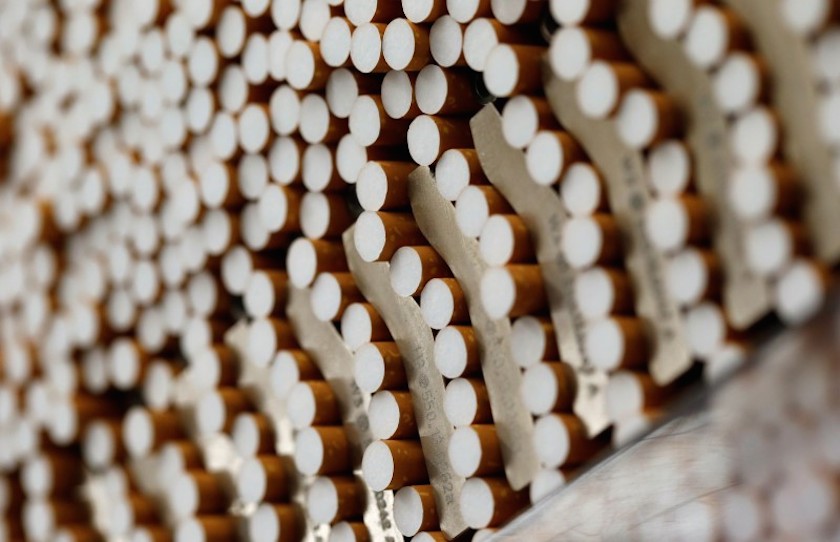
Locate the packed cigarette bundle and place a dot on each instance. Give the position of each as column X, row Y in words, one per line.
column 365, row 270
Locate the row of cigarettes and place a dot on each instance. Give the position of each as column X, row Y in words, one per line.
column 179, row 165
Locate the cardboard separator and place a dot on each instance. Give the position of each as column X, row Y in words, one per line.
column 514, row 425
column 794, row 92
column 746, row 296
column 624, row 173
column 416, row 345
column 542, row 211
column 321, row 341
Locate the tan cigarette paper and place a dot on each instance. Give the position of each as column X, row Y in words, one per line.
column 436, row 218
column 746, row 296
column 416, row 344
column 541, row 209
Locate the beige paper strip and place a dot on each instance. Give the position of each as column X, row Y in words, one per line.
column 542, row 211
column 416, row 344
column 436, row 218
column 795, row 96
column 746, row 296
column 324, row 345
column 629, row 198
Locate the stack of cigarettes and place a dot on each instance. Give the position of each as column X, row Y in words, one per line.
column 231, row 309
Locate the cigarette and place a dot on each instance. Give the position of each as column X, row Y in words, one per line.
column 669, row 20
column 430, row 536
column 490, row 502
column 445, row 91
column 335, row 42
column 102, row 445
column 210, row 528
column 713, row 32
column 629, row 394
column 196, row 492
column 482, row 35
column 515, row 11
column 379, row 366
column 561, row 440
column 75, row 533
column 617, row 342
column 513, row 69
column 371, row 125
column 591, row 240
column 809, row 21
column 602, row 291
column 378, row 235
column 457, row 169
column 761, row 191
column 335, row 499
column 255, row 235
column 366, row 48
column 647, row 117
column 548, row 387
column 514, row 290
column 466, row 402
column 312, row 403
column 290, row 367
column 281, row 522
column 144, row 431
column 231, row 32
column 263, row 479
column 755, row 136
column 391, row 415
column 51, row 475
column 393, row 464
column 317, row 124
column 405, row 45
column 360, row 12
column 384, row 186
column 220, row 231
column 203, row 62
column 706, row 329
column 505, row 239
column 322, row 450
column 442, row 303
column 351, row 157
column 415, row 510
column 673, row 223
column 217, row 364
column 201, row 333
column 466, row 11
column 582, row 12
column 285, row 112
column 669, row 168
column 361, row 324
column 308, row 258
column 253, row 434
column 139, row 509
column 40, row 517
column 475, row 205
column 411, row 268
column 398, row 95
column 423, row 11
column 546, row 482
column 204, row 294
column 429, row 136
column 694, row 275
column 740, row 82
column 253, row 128
column 800, row 291
column 216, row 411
column 604, row 84
column 305, row 69
column 324, row 215
column 769, row 245
column 475, row 451
column 266, row 294
column 446, row 42
column 331, row 294
column 177, row 456
column 523, row 117
column 127, row 363
column 532, row 340
column 147, row 533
